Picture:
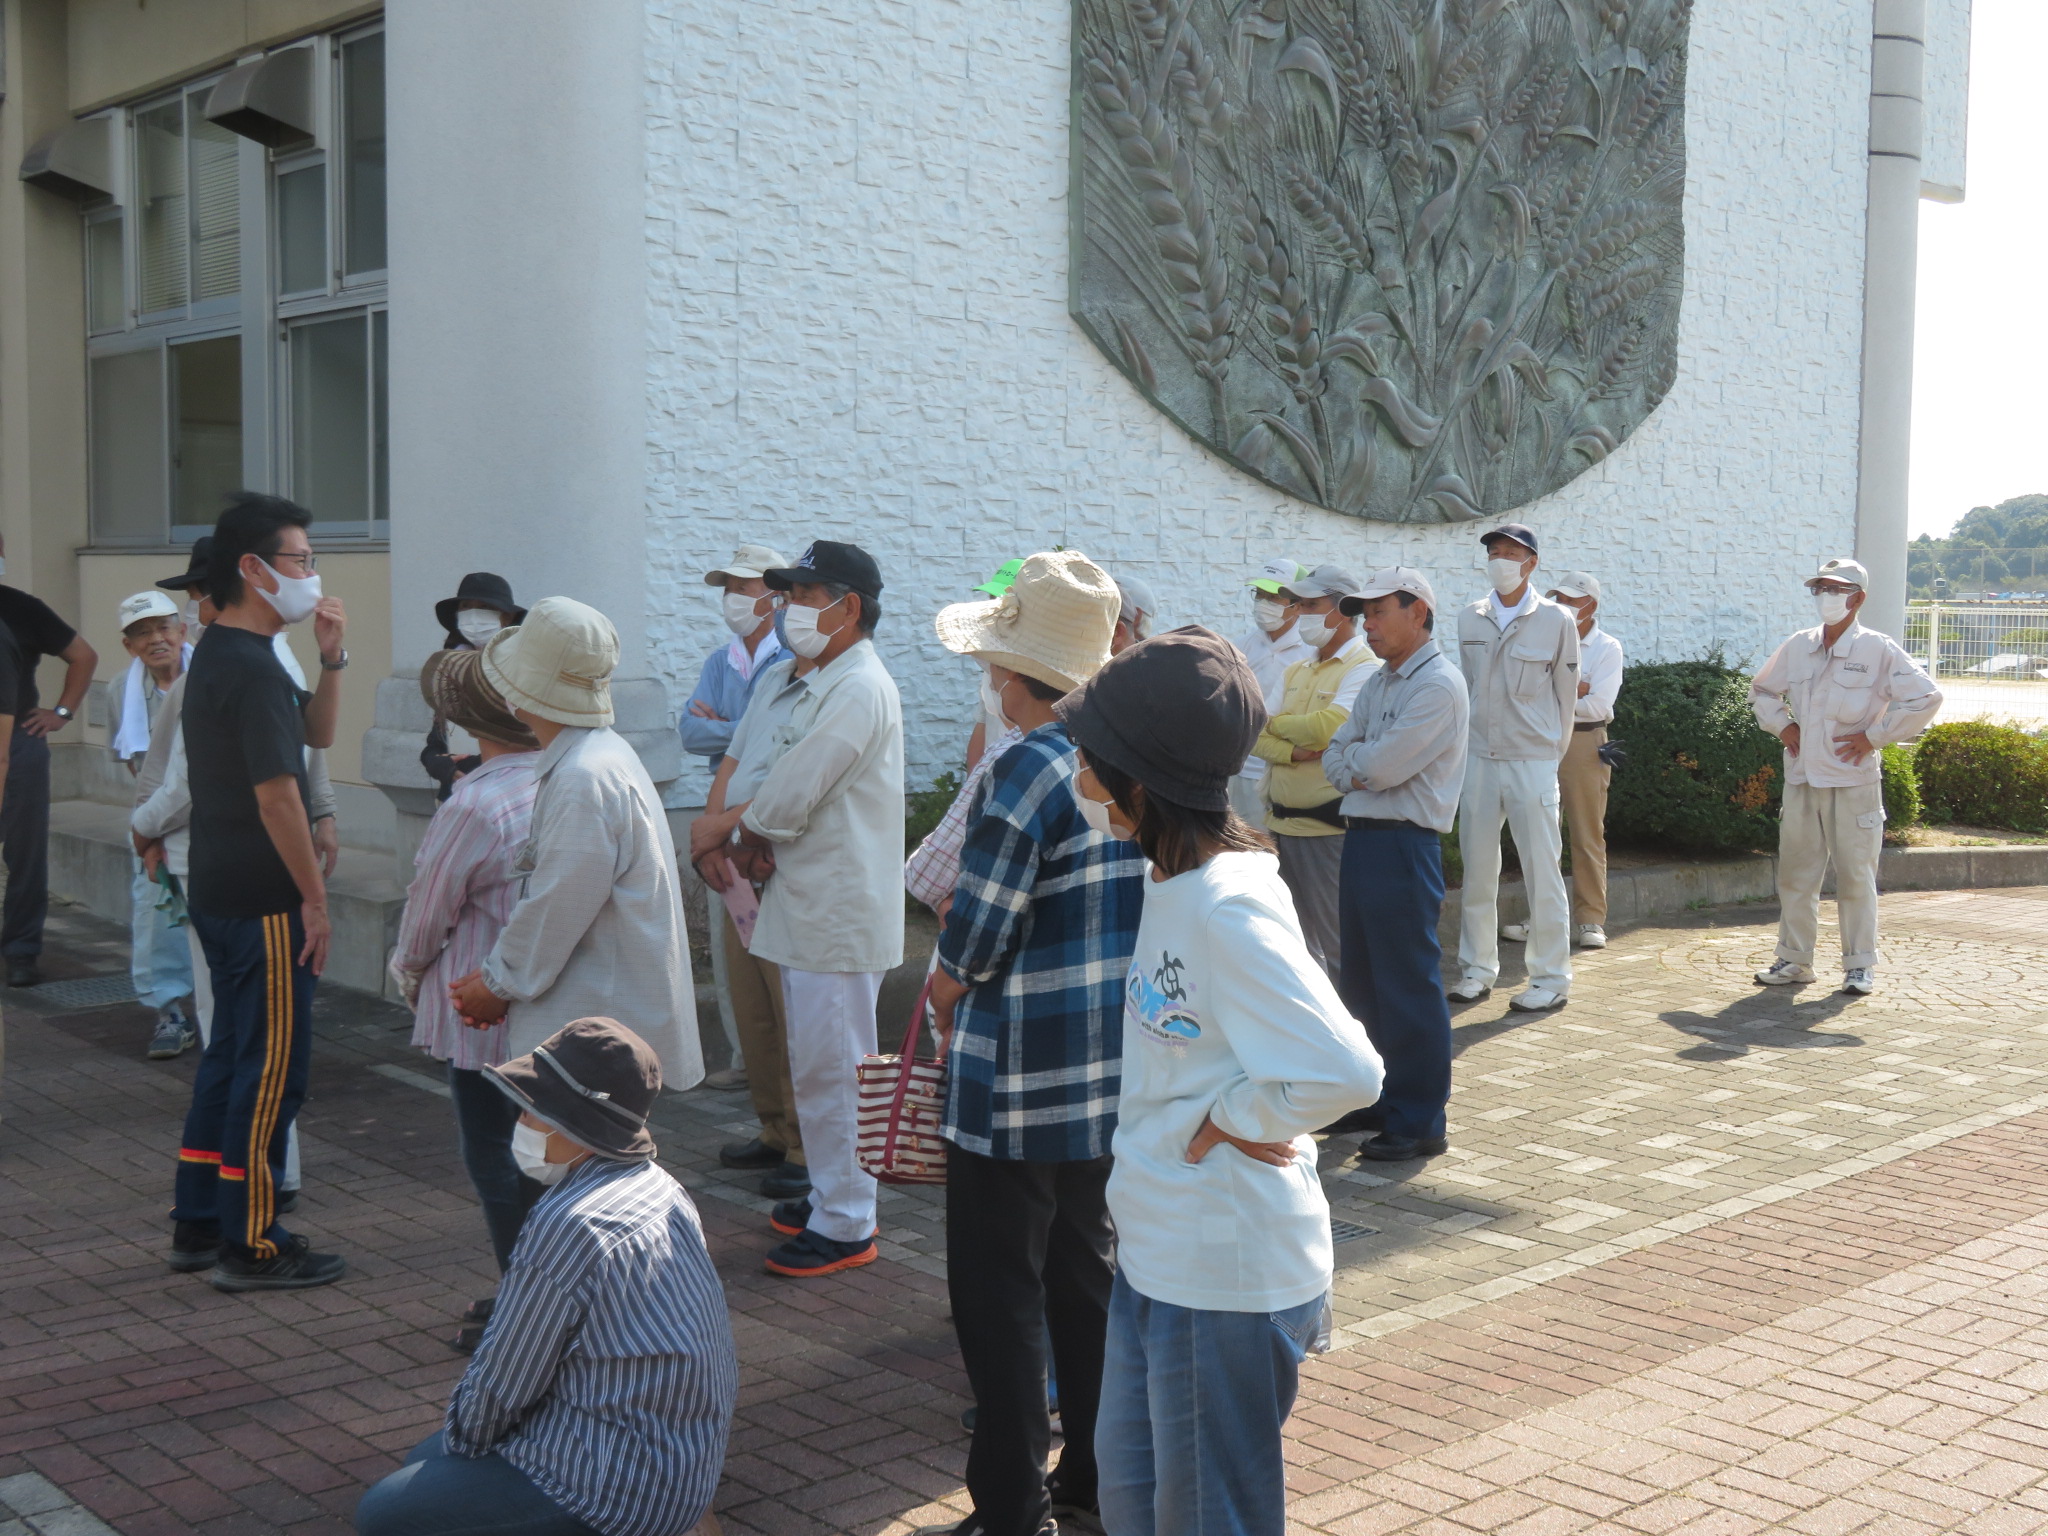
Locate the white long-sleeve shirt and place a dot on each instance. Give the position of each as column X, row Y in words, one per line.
column 1227, row 1016
column 1269, row 657
column 833, row 806
column 1600, row 668
column 1865, row 682
column 598, row 929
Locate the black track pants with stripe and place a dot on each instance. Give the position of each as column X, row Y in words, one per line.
column 251, row 1079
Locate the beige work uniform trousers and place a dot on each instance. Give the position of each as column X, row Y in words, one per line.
column 758, row 1019
column 1582, row 781
column 1844, row 827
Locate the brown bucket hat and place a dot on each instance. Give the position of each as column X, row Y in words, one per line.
column 594, row 1081
column 455, row 688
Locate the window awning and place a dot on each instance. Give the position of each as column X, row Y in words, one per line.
column 74, row 161
column 269, row 99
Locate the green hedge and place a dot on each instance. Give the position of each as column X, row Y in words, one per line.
column 1700, row 775
column 1984, row 775
column 1902, row 806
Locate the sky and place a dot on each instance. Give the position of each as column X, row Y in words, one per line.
column 1980, row 377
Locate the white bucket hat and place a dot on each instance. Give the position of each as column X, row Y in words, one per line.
column 558, row 664
column 1054, row 624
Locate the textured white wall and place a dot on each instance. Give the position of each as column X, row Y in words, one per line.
column 1945, row 158
column 857, row 315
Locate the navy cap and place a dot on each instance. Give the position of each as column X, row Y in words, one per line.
column 847, row 565
column 1521, row 533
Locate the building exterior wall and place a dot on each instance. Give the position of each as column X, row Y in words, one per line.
column 857, row 234
column 120, row 49
column 1947, row 94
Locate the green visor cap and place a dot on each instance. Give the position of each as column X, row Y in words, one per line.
column 999, row 583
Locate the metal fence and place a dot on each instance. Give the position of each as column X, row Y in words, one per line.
column 1990, row 656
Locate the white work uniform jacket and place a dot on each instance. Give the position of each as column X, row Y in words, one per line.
column 833, row 807
column 598, row 929
column 1524, row 680
column 1866, row 683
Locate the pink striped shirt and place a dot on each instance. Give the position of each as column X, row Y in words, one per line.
column 463, row 891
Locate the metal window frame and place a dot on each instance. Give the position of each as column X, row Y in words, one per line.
column 374, row 529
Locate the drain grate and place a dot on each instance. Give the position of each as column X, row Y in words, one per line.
column 86, row 991
column 1349, row 1231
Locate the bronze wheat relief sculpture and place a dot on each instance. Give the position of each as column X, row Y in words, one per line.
column 1418, row 260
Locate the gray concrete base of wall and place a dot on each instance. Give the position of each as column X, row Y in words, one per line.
column 89, row 863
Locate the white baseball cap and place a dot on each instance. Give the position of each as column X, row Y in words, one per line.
column 748, row 562
column 1576, row 584
column 151, row 604
column 1850, row 571
column 1274, row 575
column 1384, row 583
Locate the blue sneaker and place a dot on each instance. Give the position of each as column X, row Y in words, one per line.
column 811, row 1254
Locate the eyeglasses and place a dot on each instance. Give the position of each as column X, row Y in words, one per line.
column 307, row 563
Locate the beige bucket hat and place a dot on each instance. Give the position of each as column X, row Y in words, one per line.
column 1054, row 624
column 558, row 664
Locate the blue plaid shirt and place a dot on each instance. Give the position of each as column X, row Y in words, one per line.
column 1044, row 922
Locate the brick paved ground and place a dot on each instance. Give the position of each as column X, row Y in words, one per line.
column 1702, row 1260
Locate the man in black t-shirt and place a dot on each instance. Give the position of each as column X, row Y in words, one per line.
column 36, row 632
column 256, row 895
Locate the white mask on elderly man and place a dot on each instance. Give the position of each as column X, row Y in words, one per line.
column 740, row 617
column 530, row 1152
column 1833, row 606
column 1269, row 614
column 1314, row 629
column 1506, row 575
column 800, row 630
column 477, row 625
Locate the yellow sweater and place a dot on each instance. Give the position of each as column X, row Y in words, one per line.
column 1308, row 716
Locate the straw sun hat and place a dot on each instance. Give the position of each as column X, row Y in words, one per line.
column 1053, row 624
column 558, row 664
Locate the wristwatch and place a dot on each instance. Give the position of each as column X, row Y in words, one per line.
column 62, row 713
column 334, row 666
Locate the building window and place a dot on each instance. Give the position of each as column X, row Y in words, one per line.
column 182, row 310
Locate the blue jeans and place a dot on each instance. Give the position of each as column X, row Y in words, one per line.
column 1187, row 1440
column 484, row 1118
column 159, row 959
column 1389, row 896
column 436, row 1494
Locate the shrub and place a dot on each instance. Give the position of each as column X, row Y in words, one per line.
column 1700, row 775
column 1901, row 789
column 1984, row 775
column 924, row 809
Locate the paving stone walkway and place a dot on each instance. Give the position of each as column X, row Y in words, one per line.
column 1702, row 1259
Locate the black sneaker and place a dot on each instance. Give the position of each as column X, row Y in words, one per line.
column 1384, row 1148
column 811, row 1254
column 287, row 1202
column 1357, row 1123
column 789, row 1181
column 23, row 972
column 195, row 1245
column 748, row 1154
column 294, row 1269
column 790, row 1217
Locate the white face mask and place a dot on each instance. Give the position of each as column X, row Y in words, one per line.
column 992, row 697
column 1096, row 814
column 477, row 625
column 740, row 617
column 296, row 596
column 192, row 614
column 1269, row 615
column 800, row 630
column 1506, row 575
column 530, row 1152
column 1314, row 629
column 1833, row 606
column 3, row 565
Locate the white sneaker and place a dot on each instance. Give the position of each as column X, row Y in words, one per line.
column 1470, row 989
column 1538, row 1000
column 1783, row 973
column 1516, row 933
column 1862, row 981
column 1592, row 936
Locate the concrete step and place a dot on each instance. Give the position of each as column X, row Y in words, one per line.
column 91, row 862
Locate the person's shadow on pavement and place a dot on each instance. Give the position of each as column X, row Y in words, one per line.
column 1773, row 1020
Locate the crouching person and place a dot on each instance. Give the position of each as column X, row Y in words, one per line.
column 601, row 1396
column 1235, row 1047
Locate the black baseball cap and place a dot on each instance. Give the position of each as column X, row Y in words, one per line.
column 1521, row 533
column 848, row 565
column 202, row 555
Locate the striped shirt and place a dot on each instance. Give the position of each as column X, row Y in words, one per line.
column 1043, row 924
column 464, row 889
column 607, row 1372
